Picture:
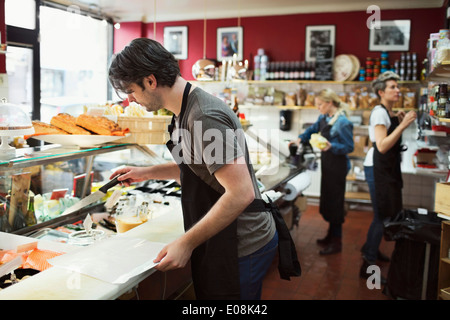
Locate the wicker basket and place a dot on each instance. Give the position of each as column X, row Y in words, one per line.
column 145, row 130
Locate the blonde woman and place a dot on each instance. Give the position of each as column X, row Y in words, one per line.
column 338, row 130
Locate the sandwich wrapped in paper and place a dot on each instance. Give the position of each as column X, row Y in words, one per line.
column 318, row 141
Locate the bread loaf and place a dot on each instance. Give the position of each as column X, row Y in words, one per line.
column 45, row 128
column 100, row 125
column 67, row 122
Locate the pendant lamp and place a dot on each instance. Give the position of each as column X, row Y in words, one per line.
column 204, row 68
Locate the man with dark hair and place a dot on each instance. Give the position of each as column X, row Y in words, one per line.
column 231, row 244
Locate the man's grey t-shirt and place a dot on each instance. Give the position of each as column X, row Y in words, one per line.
column 211, row 137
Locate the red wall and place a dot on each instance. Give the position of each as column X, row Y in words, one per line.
column 283, row 37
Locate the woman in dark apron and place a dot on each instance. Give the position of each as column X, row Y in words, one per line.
column 338, row 130
column 387, row 132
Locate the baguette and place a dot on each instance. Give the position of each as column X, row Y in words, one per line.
column 67, row 122
column 41, row 128
column 100, row 125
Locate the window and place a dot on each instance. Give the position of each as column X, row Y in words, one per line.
column 74, row 60
column 21, row 13
column 19, row 68
column 67, row 68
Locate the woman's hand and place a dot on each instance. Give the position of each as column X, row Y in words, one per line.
column 408, row 118
column 400, row 115
column 328, row 147
column 295, row 142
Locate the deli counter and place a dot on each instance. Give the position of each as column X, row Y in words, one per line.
column 51, row 173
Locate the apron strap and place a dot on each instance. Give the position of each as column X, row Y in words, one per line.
column 187, row 88
column 288, row 265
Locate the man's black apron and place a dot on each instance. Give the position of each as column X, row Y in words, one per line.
column 332, row 185
column 388, row 176
column 214, row 264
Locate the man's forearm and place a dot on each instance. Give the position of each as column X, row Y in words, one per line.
column 164, row 171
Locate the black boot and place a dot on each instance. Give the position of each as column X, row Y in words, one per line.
column 325, row 241
column 334, row 246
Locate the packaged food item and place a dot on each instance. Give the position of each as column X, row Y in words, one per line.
column 343, row 96
column 364, row 100
column 302, row 94
column 409, row 100
column 310, row 97
column 291, row 99
column 318, row 141
column 399, row 103
column 373, row 100
column 353, row 100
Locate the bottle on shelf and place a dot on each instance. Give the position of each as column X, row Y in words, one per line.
column 277, row 71
column 302, row 70
column 281, row 72
column 442, row 100
column 30, row 217
column 297, row 70
column 4, row 223
column 307, row 74
column 263, row 65
column 312, row 71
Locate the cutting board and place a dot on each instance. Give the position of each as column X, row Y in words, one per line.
column 19, row 195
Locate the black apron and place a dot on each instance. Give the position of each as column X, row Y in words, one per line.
column 214, row 264
column 333, row 178
column 388, row 176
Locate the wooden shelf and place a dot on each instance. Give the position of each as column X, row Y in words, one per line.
column 300, row 82
column 312, row 107
column 441, row 72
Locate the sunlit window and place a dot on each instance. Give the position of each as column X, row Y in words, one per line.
column 20, row 13
column 19, row 65
column 74, row 61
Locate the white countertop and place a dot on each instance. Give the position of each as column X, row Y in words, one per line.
column 62, row 284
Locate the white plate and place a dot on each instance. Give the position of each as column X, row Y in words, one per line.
column 79, row 140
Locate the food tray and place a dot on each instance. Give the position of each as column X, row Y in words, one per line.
column 83, row 141
column 51, row 234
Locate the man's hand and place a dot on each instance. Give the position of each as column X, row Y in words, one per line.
column 130, row 175
column 174, row 255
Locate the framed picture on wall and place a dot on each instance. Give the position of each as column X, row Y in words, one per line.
column 176, row 41
column 393, row 35
column 229, row 42
column 319, row 35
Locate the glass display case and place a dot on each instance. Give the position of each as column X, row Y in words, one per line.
column 53, row 177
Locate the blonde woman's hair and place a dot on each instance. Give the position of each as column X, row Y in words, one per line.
column 328, row 95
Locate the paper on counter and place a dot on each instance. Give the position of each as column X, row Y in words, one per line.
column 114, row 260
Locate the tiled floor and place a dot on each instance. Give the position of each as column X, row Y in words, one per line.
column 333, row 277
